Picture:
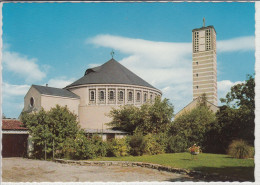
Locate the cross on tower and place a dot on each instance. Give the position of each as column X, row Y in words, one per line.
column 203, row 21
column 112, row 53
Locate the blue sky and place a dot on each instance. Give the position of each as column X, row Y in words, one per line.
column 55, row 43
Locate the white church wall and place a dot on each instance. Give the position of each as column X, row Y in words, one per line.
column 36, row 96
column 48, row 102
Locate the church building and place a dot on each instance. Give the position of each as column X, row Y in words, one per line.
column 94, row 95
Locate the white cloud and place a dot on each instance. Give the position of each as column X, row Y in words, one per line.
column 166, row 65
column 23, row 66
column 14, row 90
column 60, row 82
column 236, row 44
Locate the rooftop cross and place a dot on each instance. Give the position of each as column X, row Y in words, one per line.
column 112, row 53
column 203, row 21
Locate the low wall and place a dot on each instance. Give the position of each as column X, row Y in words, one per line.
column 195, row 174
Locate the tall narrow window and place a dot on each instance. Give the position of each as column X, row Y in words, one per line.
column 121, row 95
column 102, row 95
column 92, row 96
column 130, row 96
column 145, row 97
column 111, row 95
column 138, row 97
column 151, row 98
column 31, row 101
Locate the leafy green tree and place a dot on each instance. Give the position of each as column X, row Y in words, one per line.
column 237, row 116
column 126, row 118
column 50, row 128
column 191, row 128
column 149, row 118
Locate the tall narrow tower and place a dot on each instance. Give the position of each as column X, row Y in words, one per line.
column 204, row 63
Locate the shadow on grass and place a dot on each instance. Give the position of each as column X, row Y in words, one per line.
column 223, row 174
column 233, row 173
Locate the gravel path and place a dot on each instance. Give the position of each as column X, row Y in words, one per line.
column 28, row 170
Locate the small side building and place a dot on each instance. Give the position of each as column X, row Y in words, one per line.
column 48, row 97
column 14, row 138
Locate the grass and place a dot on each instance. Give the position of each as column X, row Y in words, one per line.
column 242, row 169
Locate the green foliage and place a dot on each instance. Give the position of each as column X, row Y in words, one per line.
column 152, row 147
column 176, row 144
column 79, row 148
column 118, row 147
column 149, row 118
column 51, row 127
column 236, row 118
column 124, row 118
column 100, row 148
column 239, row 149
column 137, row 144
column 190, row 128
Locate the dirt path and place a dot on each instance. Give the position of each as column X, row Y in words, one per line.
column 27, row 170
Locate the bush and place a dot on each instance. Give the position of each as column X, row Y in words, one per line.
column 176, row 144
column 137, row 144
column 117, row 148
column 100, row 146
column 252, row 152
column 79, row 148
column 152, row 147
column 239, row 149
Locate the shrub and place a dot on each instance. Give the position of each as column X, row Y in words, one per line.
column 100, row 146
column 137, row 144
column 239, row 149
column 176, row 144
column 162, row 138
column 252, row 152
column 152, row 147
column 117, row 148
column 79, row 148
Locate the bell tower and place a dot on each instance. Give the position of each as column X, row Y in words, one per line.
column 204, row 63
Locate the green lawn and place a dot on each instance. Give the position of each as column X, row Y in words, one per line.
column 210, row 163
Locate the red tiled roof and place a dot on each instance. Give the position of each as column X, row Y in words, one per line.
column 12, row 124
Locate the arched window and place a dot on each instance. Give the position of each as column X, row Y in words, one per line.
column 138, row 96
column 31, row 101
column 145, row 97
column 121, row 95
column 111, row 95
column 102, row 95
column 92, row 95
column 151, row 98
column 130, row 96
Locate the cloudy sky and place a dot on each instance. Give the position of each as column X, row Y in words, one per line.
column 56, row 43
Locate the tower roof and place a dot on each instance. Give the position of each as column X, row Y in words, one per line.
column 202, row 28
column 111, row 72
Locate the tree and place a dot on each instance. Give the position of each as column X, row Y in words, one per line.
column 149, row 118
column 237, row 116
column 191, row 127
column 50, row 128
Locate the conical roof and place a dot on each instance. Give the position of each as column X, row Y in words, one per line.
column 111, row 72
